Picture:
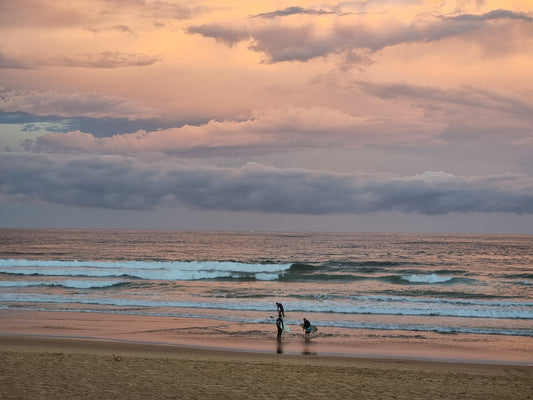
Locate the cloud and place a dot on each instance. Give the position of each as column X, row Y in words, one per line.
column 415, row 116
column 53, row 14
column 220, row 32
column 469, row 97
column 277, row 42
column 281, row 129
column 284, row 43
column 119, row 28
column 13, row 61
column 292, row 11
column 43, row 13
column 494, row 15
column 469, row 114
column 105, row 59
column 117, row 182
column 280, row 41
column 68, row 104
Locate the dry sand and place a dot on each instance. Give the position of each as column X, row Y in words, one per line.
column 37, row 365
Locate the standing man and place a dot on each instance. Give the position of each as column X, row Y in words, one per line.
column 280, row 324
column 281, row 310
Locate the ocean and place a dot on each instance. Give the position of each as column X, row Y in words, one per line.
column 381, row 284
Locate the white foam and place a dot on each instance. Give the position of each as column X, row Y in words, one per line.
column 153, row 270
column 433, row 278
column 74, row 284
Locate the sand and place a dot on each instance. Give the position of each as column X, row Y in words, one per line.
column 98, row 356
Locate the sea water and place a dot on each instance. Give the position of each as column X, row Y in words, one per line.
column 445, row 283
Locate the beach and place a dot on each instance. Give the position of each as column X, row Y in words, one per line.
column 51, row 355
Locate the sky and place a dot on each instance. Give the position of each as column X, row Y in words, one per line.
column 348, row 116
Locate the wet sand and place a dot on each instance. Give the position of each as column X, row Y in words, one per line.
column 104, row 356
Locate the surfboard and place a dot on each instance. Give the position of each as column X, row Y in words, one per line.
column 286, row 328
column 313, row 328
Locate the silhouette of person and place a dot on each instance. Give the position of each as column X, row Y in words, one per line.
column 281, row 310
column 280, row 324
column 307, row 329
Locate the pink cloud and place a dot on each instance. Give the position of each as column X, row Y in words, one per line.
column 69, row 104
column 281, row 129
column 280, row 41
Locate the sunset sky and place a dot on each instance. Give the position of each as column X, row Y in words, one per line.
column 366, row 115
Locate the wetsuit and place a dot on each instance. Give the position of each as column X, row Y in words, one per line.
column 307, row 329
column 280, row 324
column 281, row 310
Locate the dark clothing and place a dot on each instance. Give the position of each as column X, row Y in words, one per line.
column 307, row 329
column 281, row 310
column 280, row 324
column 307, row 325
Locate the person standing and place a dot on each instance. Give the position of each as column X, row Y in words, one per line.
column 281, row 310
column 307, row 329
column 280, row 324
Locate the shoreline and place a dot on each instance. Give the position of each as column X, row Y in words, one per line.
column 213, row 335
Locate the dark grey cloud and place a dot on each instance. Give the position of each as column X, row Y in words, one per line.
column 116, row 182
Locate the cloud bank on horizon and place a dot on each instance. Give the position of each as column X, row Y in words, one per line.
column 113, row 182
column 302, row 109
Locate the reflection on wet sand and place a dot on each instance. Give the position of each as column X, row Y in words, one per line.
column 306, row 350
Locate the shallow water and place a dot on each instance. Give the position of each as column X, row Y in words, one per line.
column 350, row 285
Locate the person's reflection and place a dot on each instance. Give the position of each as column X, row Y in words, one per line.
column 306, row 350
column 279, row 349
